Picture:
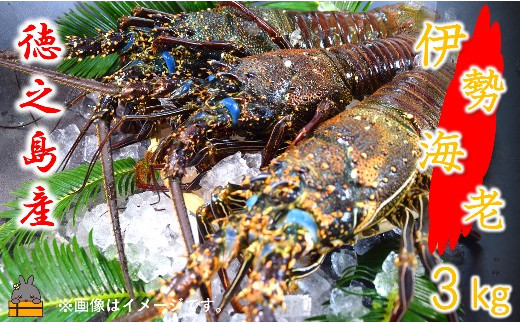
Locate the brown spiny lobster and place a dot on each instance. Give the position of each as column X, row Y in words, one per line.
column 355, row 172
column 279, row 95
column 177, row 82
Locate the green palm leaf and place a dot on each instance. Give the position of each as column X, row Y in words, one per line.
column 350, row 6
column 65, row 273
column 88, row 19
column 101, row 16
column 64, row 186
column 369, row 265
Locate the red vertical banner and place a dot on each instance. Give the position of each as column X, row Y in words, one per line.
column 448, row 192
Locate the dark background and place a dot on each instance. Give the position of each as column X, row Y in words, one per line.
column 495, row 257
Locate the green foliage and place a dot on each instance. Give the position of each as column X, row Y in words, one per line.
column 89, row 68
column 369, row 265
column 64, row 273
column 64, row 188
column 292, row 5
column 89, row 19
column 350, row 6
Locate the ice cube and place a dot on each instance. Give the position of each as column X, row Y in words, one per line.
column 295, row 37
column 63, row 140
column 386, row 283
column 90, row 145
column 237, row 317
column 135, row 151
column 149, row 269
column 102, row 234
column 192, row 310
column 231, row 169
column 298, row 308
column 342, row 260
column 388, row 265
column 347, row 302
column 253, row 161
column 315, row 284
column 170, row 317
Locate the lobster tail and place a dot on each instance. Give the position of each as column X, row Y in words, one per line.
column 369, row 65
column 325, row 29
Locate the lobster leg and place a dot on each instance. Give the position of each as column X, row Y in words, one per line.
column 228, row 296
column 76, row 82
column 428, row 259
column 146, row 129
column 130, row 21
column 406, row 263
column 174, row 186
column 218, row 149
column 325, row 110
column 205, row 229
column 267, row 281
column 110, row 193
column 163, row 41
column 217, row 251
column 275, row 140
column 9, row 54
column 123, row 119
column 277, row 38
column 152, row 14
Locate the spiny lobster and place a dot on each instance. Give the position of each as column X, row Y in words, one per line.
column 276, row 95
column 355, row 172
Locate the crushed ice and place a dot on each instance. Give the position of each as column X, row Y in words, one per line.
column 386, row 281
column 231, row 169
column 152, row 255
column 64, row 137
column 153, row 242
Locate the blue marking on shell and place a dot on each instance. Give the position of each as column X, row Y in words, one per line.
column 233, row 108
column 183, row 89
column 231, row 238
column 251, row 201
column 169, row 60
column 129, row 44
column 297, row 217
column 210, row 78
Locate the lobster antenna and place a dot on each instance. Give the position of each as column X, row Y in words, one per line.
column 69, row 105
column 76, row 82
column 82, row 134
column 22, row 125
